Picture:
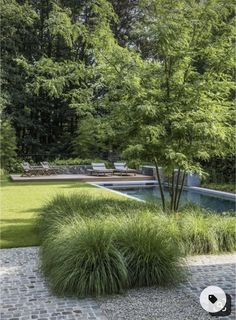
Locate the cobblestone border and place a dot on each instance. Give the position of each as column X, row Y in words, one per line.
column 25, row 296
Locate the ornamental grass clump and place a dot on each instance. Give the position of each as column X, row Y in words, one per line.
column 82, row 259
column 197, row 234
column 108, row 254
column 151, row 252
column 206, row 232
column 225, row 231
column 96, row 245
column 64, row 206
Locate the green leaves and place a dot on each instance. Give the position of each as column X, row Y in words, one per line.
column 7, row 144
column 167, row 88
column 59, row 24
column 184, row 113
column 52, row 68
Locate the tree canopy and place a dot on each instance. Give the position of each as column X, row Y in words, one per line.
column 152, row 79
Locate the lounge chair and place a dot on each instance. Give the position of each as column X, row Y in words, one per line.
column 48, row 169
column 32, row 170
column 100, row 169
column 121, row 168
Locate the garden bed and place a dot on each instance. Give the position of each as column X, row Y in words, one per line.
column 94, row 245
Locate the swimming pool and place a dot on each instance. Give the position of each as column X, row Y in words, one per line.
column 205, row 200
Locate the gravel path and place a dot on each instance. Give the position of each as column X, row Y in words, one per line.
column 24, row 294
column 154, row 303
column 181, row 303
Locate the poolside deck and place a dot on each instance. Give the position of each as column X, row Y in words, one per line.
column 79, row 177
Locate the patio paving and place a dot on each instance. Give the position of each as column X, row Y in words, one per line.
column 24, row 294
column 80, row 177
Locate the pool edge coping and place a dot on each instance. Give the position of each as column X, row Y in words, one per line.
column 115, row 191
column 222, row 194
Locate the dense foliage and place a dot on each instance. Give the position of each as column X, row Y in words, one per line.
column 93, row 245
column 220, row 170
column 92, row 79
column 49, row 70
column 77, row 161
column 182, row 113
column 71, row 69
column 8, row 145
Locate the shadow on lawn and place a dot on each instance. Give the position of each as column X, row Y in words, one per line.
column 62, row 184
column 22, row 233
column 13, row 221
column 82, row 185
column 35, row 210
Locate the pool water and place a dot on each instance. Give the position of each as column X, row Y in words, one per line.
column 204, row 200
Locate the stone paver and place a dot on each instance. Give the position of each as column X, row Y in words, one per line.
column 24, row 294
column 218, row 270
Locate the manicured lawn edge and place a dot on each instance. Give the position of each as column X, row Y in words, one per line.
column 20, row 204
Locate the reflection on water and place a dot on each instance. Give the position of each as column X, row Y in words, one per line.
column 204, row 200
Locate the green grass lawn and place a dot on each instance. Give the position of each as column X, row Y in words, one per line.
column 20, row 203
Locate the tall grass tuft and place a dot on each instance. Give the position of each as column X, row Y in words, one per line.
column 151, row 252
column 225, row 231
column 197, row 234
column 81, row 259
column 95, row 245
column 205, row 232
column 66, row 206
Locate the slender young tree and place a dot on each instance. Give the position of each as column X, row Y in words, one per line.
column 178, row 101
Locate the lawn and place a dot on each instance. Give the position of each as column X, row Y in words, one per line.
column 20, row 203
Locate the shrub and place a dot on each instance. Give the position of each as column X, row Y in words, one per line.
column 15, row 166
column 78, row 161
column 81, row 259
column 228, row 187
column 206, row 232
column 220, row 170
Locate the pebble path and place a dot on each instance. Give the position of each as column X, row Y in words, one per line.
column 24, row 294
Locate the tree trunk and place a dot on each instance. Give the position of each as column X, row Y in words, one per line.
column 172, row 195
column 176, row 190
column 180, row 191
column 160, row 186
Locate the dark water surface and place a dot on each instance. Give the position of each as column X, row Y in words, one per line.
column 204, row 200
